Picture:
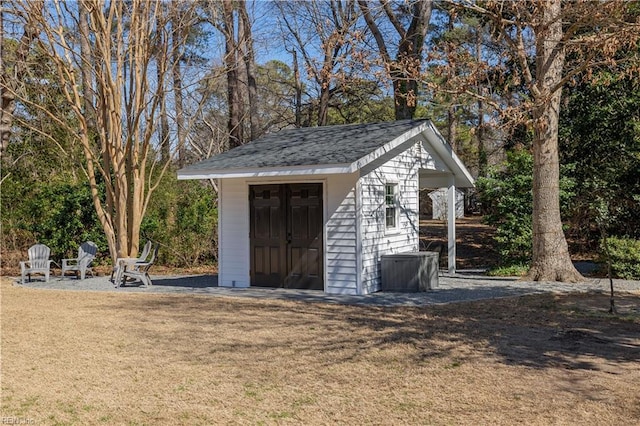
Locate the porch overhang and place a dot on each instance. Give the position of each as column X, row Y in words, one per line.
column 443, row 179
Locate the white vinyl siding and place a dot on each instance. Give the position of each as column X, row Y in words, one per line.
column 233, row 257
column 340, row 238
column 377, row 240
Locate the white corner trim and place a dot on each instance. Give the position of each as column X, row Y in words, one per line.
column 359, row 231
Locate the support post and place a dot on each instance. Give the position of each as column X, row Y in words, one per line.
column 451, row 224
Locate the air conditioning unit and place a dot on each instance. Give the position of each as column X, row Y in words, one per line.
column 410, row 272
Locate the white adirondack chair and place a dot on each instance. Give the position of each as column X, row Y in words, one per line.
column 81, row 264
column 38, row 262
column 139, row 270
column 116, row 275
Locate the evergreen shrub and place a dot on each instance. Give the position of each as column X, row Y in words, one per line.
column 506, row 197
column 183, row 217
column 506, row 194
column 625, row 257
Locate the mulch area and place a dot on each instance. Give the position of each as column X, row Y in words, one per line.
column 474, row 241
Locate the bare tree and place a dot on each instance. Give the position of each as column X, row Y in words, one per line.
column 179, row 35
column 115, row 105
column 326, row 26
column 185, row 34
column 232, row 20
column 410, row 20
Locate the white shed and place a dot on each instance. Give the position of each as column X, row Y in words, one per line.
column 316, row 208
column 439, row 203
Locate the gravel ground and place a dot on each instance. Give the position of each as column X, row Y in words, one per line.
column 461, row 287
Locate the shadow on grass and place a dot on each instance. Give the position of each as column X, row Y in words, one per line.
column 537, row 331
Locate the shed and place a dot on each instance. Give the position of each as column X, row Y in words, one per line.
column 316, row 208
column 439, row 203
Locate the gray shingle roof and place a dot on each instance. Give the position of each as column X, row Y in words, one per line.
column 308, row 146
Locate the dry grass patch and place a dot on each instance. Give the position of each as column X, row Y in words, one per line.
column 116, row 358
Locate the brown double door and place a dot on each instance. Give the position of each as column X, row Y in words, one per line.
column 286, row 235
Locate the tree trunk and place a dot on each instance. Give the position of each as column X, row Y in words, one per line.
column 482, row 152
column 452, row 122
column 323, row 103
column 250, row 70
column 231, row 63
column 5, row 101
column 551, row 260
column 176, row 71
column 161, row 70
column 91, row 135
column 404, row 108
column 298, row 89
column 165, row 148
column 9, row 85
